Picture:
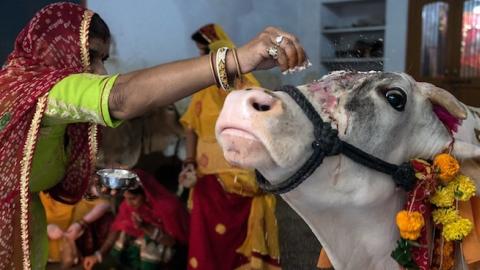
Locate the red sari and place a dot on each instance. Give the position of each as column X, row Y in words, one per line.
column 161, row 209
column 53, row 45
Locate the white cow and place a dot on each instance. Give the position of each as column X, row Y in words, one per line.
column 350, row 208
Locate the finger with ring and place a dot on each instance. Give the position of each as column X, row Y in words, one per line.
column 278, row 40
column 273, row 52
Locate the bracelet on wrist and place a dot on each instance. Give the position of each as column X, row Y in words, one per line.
column 237, row 65
column 188, row 161
column 221, row 68
column 99, row 256
column 155, row 234
column 212, row 68
column 82, row 223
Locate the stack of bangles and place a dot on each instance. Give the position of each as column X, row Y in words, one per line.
column 82, row 224
column 189, row 160
column 218, row 65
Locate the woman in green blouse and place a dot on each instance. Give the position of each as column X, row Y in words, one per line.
column 54, row 93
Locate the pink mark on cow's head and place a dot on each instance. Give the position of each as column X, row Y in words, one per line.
column 324, row 95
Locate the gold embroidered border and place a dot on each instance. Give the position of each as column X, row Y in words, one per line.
column 25, row 170
column 84, row 28
column 93, row 145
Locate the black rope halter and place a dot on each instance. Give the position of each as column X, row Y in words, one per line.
column 327, row 143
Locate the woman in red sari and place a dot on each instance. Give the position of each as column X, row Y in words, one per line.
column 51, row 102
column 151, row 225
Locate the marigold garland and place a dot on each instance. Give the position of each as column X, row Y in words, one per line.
column 457, row 230
column 443, row 258
column 444, row 186
column 445, row 215
column 464, row 188
column 447, row 166
column 443, row 196
column 410, row 224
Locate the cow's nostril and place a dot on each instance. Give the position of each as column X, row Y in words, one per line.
column 260, row 107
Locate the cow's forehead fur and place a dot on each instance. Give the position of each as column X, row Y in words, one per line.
column 356, row 100
column 355, row 91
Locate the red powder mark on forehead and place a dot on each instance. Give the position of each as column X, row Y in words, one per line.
column 450, row 121
column 323, row 94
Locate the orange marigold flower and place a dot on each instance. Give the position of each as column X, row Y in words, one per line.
column 447, row 167
column 410, row 224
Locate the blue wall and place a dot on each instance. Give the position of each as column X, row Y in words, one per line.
column 159, row 31
column 396, row 35
column 14, row 15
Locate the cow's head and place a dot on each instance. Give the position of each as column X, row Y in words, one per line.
column 388, row 115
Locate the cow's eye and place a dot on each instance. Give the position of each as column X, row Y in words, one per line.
column 397, row 98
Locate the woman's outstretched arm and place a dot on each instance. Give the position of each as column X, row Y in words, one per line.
column 137, row 92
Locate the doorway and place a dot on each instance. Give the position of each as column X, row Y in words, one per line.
column 443, row 46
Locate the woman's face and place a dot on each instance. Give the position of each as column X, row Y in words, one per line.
column 133, row 200
column 99, row 51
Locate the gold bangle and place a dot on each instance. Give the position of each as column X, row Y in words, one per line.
column 237, row 64
column 212, row 57
column 221, row 65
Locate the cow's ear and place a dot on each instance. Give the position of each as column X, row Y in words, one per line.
column 465, row 151
column 443, row 98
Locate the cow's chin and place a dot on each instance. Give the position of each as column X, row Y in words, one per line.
column 243, row 149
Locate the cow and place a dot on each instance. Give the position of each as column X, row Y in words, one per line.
column 350, row 208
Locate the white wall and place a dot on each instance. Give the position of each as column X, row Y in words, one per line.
column 149, row 32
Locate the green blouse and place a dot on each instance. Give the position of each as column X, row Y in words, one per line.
column 78, row 98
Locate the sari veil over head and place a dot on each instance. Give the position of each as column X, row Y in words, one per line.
column 161, row 209
column 53, row 45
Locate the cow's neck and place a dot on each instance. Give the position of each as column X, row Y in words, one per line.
column 359, row 237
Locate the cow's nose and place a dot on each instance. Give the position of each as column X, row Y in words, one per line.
column 261, row 101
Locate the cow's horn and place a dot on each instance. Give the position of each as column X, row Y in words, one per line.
column 443, row 98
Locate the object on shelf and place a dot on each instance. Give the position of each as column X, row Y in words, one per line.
column 376, row 49
column 352, row 60
column 363, row 49
column 354, row 30
column 368, row 22
column 358, row 24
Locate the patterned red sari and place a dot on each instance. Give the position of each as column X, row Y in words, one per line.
column 53, row 45
column 162, row 209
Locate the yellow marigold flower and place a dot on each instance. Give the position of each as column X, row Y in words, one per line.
column 447, row 166
column 464, row 188
column 457, row 230
column 443, row 196
column 445, row 215
column 410, row 224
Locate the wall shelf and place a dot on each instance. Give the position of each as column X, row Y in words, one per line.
column 353, row 60
column 333, row 2
column 354, row 29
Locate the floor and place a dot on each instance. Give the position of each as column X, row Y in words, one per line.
column 299, row 248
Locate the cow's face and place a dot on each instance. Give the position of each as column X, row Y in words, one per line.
column 384, row 114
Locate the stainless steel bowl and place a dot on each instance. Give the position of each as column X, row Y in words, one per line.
column 118, row 178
